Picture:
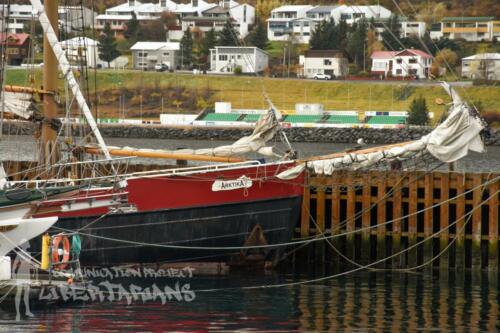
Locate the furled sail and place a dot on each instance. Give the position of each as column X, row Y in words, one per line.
column 265, row 129
column 3, row 178
column 448, row 142
column 19, row 105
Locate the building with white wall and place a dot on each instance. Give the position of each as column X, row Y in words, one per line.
column 331, row 62
column 280, row 24
column 119, row 16
column 225, row 59
column 482, row 66
column 405, row 63
column 146, row 55
column 472, row 29
column 70, row 17
column 82, row 51
column 352, row 14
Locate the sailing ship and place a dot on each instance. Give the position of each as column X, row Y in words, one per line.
column 207, row 212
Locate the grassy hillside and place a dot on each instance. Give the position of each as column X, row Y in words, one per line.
column 188, row 93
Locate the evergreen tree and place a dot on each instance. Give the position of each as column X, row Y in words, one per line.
column 132, row 31
column 228, row 36
column 209, row 42
column 258, row 36
column 391, row 34
column 356, row 46
column 328, row 36
column 107, row 45
column 419, row 112
column 187, row 48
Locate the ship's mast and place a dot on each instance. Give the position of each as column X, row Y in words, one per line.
column 49, row 152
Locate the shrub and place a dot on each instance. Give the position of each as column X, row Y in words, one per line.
column 419, row 112
column 238, row 70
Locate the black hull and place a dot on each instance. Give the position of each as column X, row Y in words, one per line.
column 214, row 226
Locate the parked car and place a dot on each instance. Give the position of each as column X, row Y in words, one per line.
column 161, row 67
column 321, row 76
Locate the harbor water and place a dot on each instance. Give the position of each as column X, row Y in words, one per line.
column 23, row 148
column 296, row 300
column 360, row 302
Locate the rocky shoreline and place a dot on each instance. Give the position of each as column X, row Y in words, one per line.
column 327, row 135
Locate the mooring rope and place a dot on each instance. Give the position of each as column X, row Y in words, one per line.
column 315, row 239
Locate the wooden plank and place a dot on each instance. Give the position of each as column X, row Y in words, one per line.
column 460, row 230
column 397, row 213
column 306, row 208
column 493, row 227
column 444, row 222
column 381, row 216
column 412, row 218
column 428, row 216
column 335, row 228
column 365, row 219
column 320, row 220
column 476, row 221
column 350, row 217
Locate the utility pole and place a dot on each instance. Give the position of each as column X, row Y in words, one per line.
column 49, row 152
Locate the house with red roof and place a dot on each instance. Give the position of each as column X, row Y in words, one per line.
column 404, row 63
column 17, row 47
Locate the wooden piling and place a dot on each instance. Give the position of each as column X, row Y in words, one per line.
column 415, row 190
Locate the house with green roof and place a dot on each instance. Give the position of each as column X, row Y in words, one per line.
column 472, row 29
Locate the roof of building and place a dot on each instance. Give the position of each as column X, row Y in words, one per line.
column 154, row 46
column 322, row 9
column 324, row 54
column 80, row 41
column 392, row 54
column 484, row 56
column 206, row 19
column 216, row 10
column 240, row 47
column 14, row 39
column 291, row 8
column 468, row 19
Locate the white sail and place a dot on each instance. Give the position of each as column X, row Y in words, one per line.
column 265, row 129
column 17, row 104
column 448, row 142
column 3, row 177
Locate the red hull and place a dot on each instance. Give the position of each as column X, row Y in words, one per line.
column 159, row 192
column 170, row 192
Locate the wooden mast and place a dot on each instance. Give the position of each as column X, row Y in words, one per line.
column 49, row 151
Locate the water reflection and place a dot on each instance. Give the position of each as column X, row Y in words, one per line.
column 361, row 302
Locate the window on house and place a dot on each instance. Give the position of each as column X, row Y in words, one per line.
column 327, row 62
column 413, row 61
column 399, row 71
column 399, row 61
column 166, row 54
column 223, row 57
column 143, row 54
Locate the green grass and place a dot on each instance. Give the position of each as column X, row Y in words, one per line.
column 248, row 92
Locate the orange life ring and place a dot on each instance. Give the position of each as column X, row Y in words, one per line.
column 57, row 262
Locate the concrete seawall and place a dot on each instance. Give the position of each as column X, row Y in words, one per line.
column 330, row 135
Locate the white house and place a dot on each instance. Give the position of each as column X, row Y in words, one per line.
column 225, row 59
column 482, row 66
column 82, row 51
column 331, row 62
column 405, row 63
column 70, row 17
column 146, row 55
column 406, row 28
column 242, row 13
column 352, row 14
column 118, row 16
column 215, row 17
column 280, row 24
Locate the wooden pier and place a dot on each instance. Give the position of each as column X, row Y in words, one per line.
column 445, row 220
